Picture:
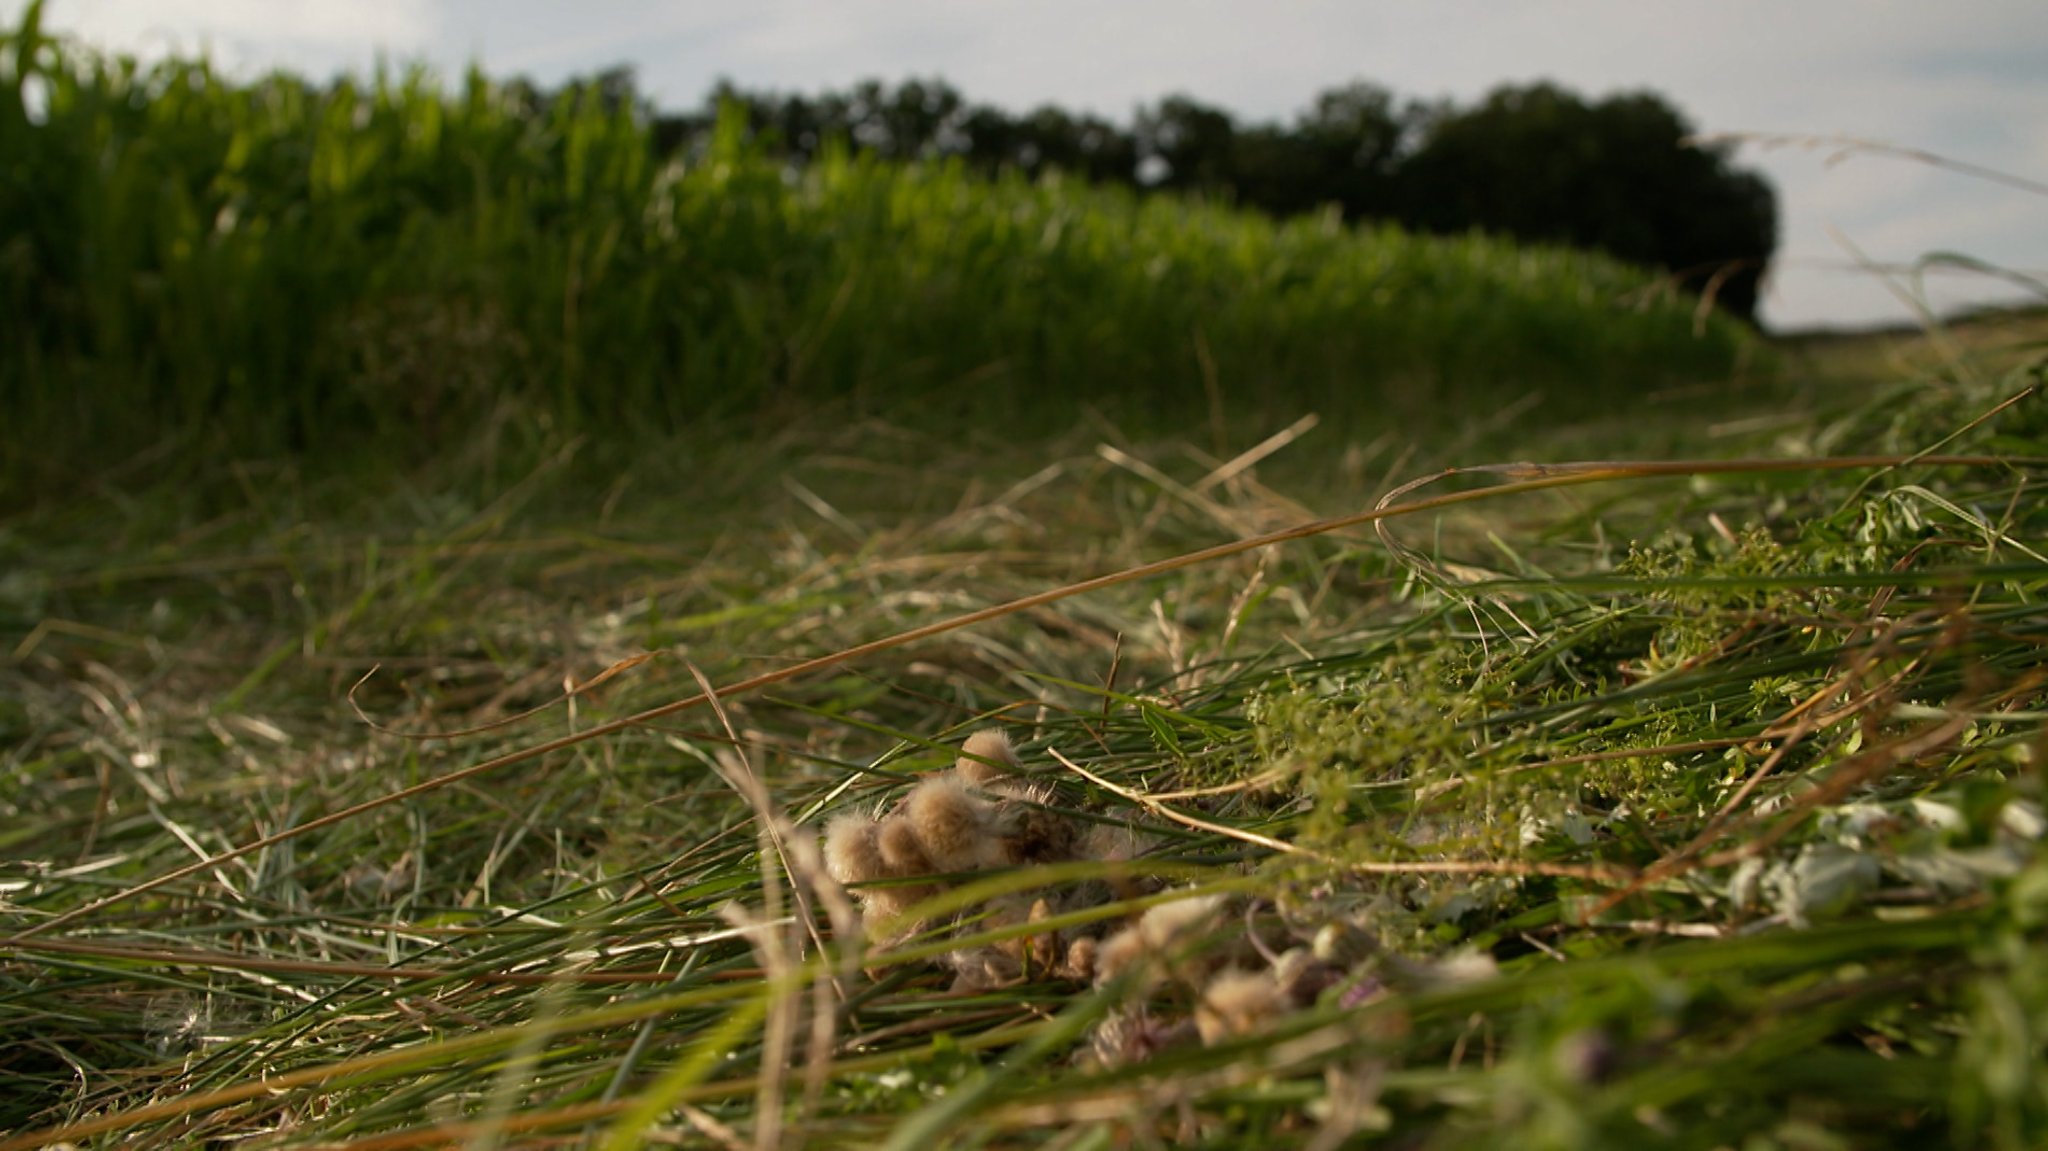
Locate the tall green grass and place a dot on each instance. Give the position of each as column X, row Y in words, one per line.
column 256, row 267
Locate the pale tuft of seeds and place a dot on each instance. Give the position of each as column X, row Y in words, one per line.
column 1147, row 947
column 1237, row 1003
column 851, row 852
column 946, row 825
column 984, row 814
column 952, row 825
column 986, row 757
column 902, row 852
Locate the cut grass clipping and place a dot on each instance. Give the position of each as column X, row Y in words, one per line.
column 1717, row 835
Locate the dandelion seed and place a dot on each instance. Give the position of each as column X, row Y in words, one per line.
column 179, row 1024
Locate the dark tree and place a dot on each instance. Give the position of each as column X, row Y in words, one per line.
column 916, row 120
column 1360, row 137
column 1345, row 151
column 1186, row 145
column 1048, row 139
column 1534, row 162
column 1538, row 163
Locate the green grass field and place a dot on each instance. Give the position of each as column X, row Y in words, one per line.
column 366, row 565
column 256, row 269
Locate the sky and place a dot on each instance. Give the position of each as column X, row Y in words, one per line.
column 1967, row 82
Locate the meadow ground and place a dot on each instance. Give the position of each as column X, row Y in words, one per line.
column 456, row 563
column 1692, row 805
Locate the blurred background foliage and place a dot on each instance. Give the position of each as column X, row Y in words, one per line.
column 199, row 267
column 1536, row 162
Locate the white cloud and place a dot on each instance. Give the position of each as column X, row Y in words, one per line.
column 248, row 35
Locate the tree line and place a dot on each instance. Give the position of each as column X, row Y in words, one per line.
column 1535, row 161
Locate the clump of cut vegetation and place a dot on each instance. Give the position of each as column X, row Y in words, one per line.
column 984, row 815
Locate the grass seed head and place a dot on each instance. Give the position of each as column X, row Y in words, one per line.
column 1303, row 978
column 1172, row 924
column 982, row 968
column 1035, row 834
column 1147, row 948
column 1122, row 952
column 1084, row 958
column 1132, row 1036
column 1238, row 1003
column 852, row 853
column 952, row 826
column 986, row 757
column 902, row 852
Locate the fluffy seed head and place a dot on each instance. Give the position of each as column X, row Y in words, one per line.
column 1344, row 944
column 1238, row 1003
column 1124, row 951
column 1460, row 967
column 1149, row 944
column 902, row 854
column 851, row 852
column 1178, row 922
column 951, row 825
column 993, row 747
column 1302, row 978
column 1113, row 842
column 982, row 968
column 1033, row 834
column 1083, row 959
column 1132, row 1036
column 1117, row 843
column 1037, row 954
column 883, row 909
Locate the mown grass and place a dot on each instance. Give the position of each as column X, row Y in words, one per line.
column 351, row 797
column 249, row 269
column 1735, row 778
